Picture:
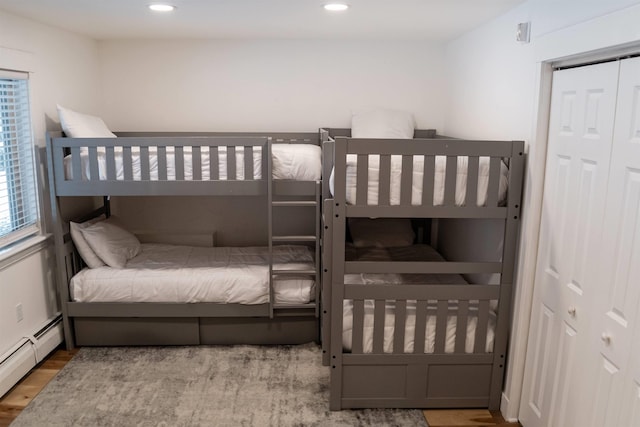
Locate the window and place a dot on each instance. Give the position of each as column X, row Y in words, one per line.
column 18, row 201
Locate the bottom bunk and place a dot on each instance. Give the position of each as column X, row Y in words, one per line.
column 406, row 338
column 416, row 346
column 172, row 294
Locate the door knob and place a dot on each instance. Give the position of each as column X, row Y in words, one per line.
column 571, row 311
column 606, row 338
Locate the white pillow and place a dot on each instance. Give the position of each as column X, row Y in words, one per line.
column 78, row 125
column 382, row 123
column 297, row 161
column 112, row 243
column 381, row 233
column 88, row 255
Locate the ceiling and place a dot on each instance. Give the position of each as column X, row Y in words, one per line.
column 436, row 20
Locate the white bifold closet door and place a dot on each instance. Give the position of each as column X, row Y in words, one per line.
column 583, row 360
column 615, row 370
column 580, row 135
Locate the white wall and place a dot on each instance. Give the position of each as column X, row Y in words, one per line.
column 499, row 89
column 554, row 15
column 28, row 281
column 261, row 85
column 64, row 70
column 265, row 85
column 490, row 96
column 491, row 82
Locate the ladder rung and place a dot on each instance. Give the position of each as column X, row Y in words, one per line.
column 294, row 272
column 309, row 238
column 294, row 203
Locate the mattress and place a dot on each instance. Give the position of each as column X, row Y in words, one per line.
column 186, row 274
column 417, row 180
column 409, row 253
column 300, row 162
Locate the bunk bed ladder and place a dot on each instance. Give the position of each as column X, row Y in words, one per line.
column 291, row 201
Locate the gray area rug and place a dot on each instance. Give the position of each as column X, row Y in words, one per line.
column 198, row 386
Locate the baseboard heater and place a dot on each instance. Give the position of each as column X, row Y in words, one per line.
column 31, row 350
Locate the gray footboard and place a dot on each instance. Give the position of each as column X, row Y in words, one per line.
column 426, row 366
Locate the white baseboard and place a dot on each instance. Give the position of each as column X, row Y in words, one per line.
column 508, row 413
column 16, row 365
column 21, row 358
column 48, row 338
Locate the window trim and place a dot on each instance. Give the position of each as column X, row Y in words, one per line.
column 14, row 237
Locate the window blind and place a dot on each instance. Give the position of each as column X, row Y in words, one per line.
column 18, row 198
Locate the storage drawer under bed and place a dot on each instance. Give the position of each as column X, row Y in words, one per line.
column 113, row 331
column 96, row 331
column 437, row 384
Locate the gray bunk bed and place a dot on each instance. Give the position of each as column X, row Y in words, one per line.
column 419, row 344
column 170, row 164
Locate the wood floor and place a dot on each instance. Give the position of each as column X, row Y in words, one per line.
column 20, row 396
column 466, row 418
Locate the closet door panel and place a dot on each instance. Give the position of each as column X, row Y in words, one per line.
column 563, row 411
column 543, row 351
column 618, row 300
column 605, row 376
column 580, row 135
column 630, row 413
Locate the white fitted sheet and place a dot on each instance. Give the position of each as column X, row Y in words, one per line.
column 301, row 162
column 409, row 253
column 418, row 172
column 186, row 274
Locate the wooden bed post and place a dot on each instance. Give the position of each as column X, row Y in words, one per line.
column 62, row 276
column 516, row 173
column 327, row 271
column 266, row 157
column 328, row 149
column 337, row 275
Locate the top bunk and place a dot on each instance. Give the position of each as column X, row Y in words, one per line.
column 429, row 175
column 184, row 163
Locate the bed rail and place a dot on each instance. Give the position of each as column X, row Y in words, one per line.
column 406, row 173
column 422, row 341
column 157, row 165
column 438, row 301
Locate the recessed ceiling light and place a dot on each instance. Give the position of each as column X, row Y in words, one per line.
column 336, row 7
column 162, row 7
